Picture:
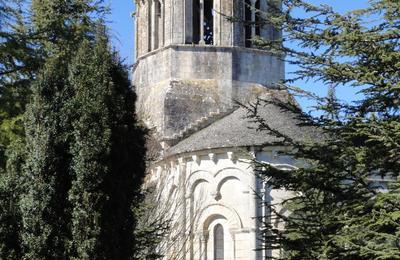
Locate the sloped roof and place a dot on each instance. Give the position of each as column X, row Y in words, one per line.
column 237, row 130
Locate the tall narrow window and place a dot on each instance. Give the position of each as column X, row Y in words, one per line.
column 208, row 22
column 252, row 21
column 158, row 9
column 196, row 21
column 258, row 20
column 156, row 15
column 248, row 23
column 149, row 26
column 218, row 242
column 203, row 22
column 159, row 24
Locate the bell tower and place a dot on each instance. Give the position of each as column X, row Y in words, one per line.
column 192, row 64
column 192, row 61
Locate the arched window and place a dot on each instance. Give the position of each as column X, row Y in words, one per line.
column 159, row 24
column 252, row 17
column 196, row 21
column 258, row 19
column 208, row 22
column 155, row 24
column 158, row 9
column 218, row 242
column 247, row 25
column 203, row 21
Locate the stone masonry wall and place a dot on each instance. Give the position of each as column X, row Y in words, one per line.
column 179, row 84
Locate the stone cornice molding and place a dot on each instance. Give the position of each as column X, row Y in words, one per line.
column 204, row 48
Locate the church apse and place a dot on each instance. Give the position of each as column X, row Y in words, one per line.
column 192, row 65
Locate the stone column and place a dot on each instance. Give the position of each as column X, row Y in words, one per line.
column 167, row 22
column 253, row 18
column 183, row 206
column 226, row 27
column 148, row 22
column 217, row 22
column 202, row 22
column 153, row 24
column 188, row 21
column 238, row 29
column 203, row 245
column 163, row 22
column 265, row 32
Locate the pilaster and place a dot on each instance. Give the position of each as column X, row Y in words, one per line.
column 178, row 21
column 188, row 21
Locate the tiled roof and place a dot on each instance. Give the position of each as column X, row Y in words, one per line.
column 238, row 130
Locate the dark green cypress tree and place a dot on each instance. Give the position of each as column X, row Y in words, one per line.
column 10, row 216
column 58, row 28
column 108, row 154
column 26, row 39
column 44, row 204
column 70, row 191
column 16, row 65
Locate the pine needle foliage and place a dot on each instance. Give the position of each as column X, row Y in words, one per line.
column 345, row 200
column 17, row 63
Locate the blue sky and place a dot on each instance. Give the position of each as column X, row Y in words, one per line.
column 122, row 27
column 122, row 32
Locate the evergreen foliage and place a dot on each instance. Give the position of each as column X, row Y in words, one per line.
column 10, row 217
column 108, row 155
column 345, row 199
column 62, row 25
column 27, row 37
column 17, row 64
column 44, row 205
column 75, row 168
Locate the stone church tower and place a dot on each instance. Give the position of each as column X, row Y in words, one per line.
column 192, row 64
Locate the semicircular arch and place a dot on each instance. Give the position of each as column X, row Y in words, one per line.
column 231, row 169
column 218, row 210
column 197, row 177
column 230, row 173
